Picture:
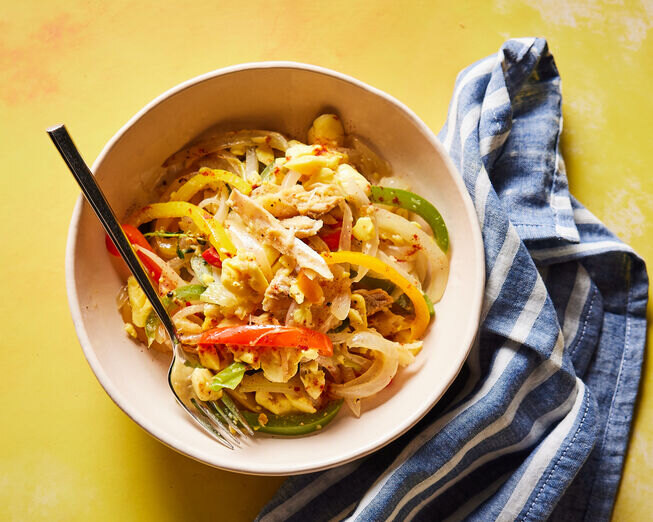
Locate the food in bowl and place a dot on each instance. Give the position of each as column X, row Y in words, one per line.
column 301, row 275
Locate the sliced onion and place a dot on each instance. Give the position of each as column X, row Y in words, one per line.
column 331, row 367
column 223, row 141
column 370, row 248
column 166, row 270
column 290, row 315
column 244, row 241
column 359, row 360
column 339, row 337
column 190, row 339
column 390, row 261
column 353, row 192
column 341, row 304
column 347, row 225
column 377, row 377
column 225, row 161
column 438, row 261
column 328, row 324
column 379, row 374
column 251, row 166
column 220, row 201
column 290, row 179
column 184, row 325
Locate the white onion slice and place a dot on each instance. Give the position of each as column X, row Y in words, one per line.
column 370, row 248
column 190, row 339
column 341, row 304
column 379, row 375
column 166, row 270
column 347, row 225
column 290, row 179
column 438, row 261
column 184, row 325
column 251, row 166
column 223, row 141
column 390, row 261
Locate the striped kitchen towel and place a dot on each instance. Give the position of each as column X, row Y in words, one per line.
column 536, row 426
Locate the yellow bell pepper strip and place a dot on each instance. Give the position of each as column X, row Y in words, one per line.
column 410, row 201
column 295, row 423
column 209, row 177
column 422, row 316
column 202, row 219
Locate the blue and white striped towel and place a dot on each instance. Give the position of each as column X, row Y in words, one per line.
column 537, row 424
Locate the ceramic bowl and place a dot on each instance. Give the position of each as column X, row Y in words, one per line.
column 285, row 97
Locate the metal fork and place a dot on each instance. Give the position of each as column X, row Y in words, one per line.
column 222, row 420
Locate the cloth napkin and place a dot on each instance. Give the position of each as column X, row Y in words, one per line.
column 536, row 426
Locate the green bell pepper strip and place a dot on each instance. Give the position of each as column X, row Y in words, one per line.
column 296, row 423
column 183, row 293
column 405, row 303
column 189, row 292
column 228, row 377
column 151, row 325
column 429, row 305
column 267, row 172
column 410, row 201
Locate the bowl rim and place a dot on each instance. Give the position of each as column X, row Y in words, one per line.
column 231, row 464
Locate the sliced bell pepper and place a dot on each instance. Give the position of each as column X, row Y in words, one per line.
column 229, row 377
column 136, row 238
column 211, row 256
column 269, row 335
column 296, row 423
column 202, row 219
column 188, row 292
column 332, row 239
column 207, row 177
column 422, row 316
column 410, row 201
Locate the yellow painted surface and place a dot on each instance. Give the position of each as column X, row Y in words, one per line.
column 66, row 451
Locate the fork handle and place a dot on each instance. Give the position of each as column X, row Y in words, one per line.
column 105, row 213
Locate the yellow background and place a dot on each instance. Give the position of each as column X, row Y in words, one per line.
column 66, row 451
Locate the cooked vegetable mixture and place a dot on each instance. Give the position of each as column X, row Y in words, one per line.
column 301, row 275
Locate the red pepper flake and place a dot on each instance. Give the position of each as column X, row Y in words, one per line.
column 255, row 186
column 395, row 200
column 296, row 388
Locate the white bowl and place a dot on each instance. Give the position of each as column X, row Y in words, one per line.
column 286, row 97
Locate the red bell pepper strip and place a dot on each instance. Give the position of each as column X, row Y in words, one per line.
column 136, row 238
column 212, row 257
column 331, row 236
column 332, row 239
column 269, row 335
